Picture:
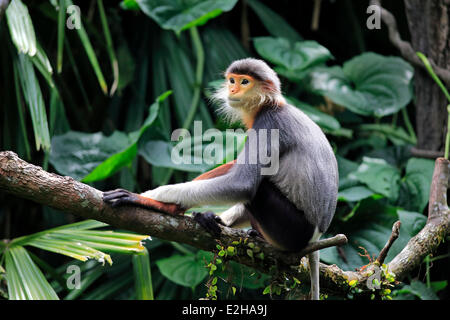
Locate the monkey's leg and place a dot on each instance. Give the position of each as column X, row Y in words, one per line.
column 120, row 197
column 236, row 216
column 313, row 259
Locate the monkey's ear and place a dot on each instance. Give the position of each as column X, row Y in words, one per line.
column 269, row 86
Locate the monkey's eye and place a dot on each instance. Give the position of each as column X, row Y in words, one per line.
column 245, row 81
column 231, row 80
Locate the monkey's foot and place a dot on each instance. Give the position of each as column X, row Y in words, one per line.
column 253, row 233
column 121, row 197
column 210, row 221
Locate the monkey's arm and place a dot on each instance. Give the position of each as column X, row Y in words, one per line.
column 123, row 197
column 239, row 183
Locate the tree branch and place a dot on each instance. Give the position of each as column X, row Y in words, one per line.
column 394, row 235
column 437, row 227
column 405, row 48
column 25, row 180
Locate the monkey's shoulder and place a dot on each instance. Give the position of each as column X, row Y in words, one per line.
column 293, row 125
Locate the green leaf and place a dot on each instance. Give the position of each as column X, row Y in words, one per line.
column 77, row 242
column 433, row 74
column 90, row 52
column 185, row 270
column 21, row 28
column 25, row 280
column 127, row 65
column 109, row 46
column 21, row 112
column 437, row 286
column 322, row 119
column 291, row 56
column 181, row 78
column 355, row 194
column 275, row 24
column 393, row 133
column 41, row 62
column 420, row 289
column 110, row 289
column 369, row 84
column 61, row 34
column 202, row 152
column 346, row 168
column 93, row 157
column 33, row 97
column 415, row 186
column 142, row 276
column 129, row 5
column 76, row 154
column 379, row 176
column 181, row 15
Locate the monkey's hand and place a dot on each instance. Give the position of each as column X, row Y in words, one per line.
column 120, row 197
column 210, row 221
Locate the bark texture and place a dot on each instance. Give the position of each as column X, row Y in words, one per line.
column 429, row 27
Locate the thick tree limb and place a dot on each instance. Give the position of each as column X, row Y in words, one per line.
column 405, row 48
column 24, row 180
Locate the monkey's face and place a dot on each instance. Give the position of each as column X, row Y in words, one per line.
column 240, row 89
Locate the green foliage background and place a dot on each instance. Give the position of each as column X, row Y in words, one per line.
column 100, row 102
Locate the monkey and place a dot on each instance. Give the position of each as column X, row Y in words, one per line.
column 289, row 207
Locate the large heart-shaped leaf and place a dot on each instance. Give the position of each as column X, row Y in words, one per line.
column 379, row 176
column 194, row 154
column 355, row 194
column 291, row 56
column 76, row 154
column 178, row 15
column 415, row 186
column 369, row 84
column 125, row 157
column 346, row 168
column 186, row 270
column 92, row 156
column 418, row 289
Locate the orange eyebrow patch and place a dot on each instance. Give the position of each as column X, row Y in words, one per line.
column 239, row 76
